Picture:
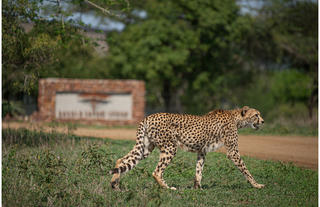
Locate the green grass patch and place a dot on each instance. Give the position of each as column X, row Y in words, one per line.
column 282, row 130
column 51, row 169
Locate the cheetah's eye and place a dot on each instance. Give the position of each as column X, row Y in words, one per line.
column 257, row 115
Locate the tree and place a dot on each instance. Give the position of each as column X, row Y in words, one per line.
column 296, row 35
column 284, row 34
column 29, row 56
column 16, row 75
column 26, row 55
column 184, row 50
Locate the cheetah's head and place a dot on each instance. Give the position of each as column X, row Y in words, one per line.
column 251, row 118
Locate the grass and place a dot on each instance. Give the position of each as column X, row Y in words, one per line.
column 51, row 169
column 282, row 130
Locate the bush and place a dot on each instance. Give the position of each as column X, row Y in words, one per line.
column 12, row 108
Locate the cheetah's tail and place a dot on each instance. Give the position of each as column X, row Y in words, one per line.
column 135, row 155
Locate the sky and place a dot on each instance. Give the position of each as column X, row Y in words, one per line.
column 99, row 22
column 91, row 19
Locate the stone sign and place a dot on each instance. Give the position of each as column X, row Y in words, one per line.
column 112, row 102
column 101, row 106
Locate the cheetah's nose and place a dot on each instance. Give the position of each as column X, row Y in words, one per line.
column 262, row 121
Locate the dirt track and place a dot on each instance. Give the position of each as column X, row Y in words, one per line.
column 303, row 151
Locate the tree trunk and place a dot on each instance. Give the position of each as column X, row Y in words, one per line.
column 166, row 94
column 178, row 108
column 313, row 98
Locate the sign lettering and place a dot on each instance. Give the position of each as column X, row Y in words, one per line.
column 93, row 106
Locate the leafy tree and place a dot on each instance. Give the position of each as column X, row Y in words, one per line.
column 47, row 50
column 22, row 55
column 297, row 38
column 27, row 55
column 184, row 50
column 75, row 56
column 284, row 34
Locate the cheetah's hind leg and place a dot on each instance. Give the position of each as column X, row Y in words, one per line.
column 166, row 156
column 128, row 162
column 139, row 152
column 116, row 176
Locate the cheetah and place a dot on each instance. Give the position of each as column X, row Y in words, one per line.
column 200, row 134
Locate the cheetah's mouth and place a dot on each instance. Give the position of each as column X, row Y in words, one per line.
column 256, row 126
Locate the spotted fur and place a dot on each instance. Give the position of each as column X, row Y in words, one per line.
column 200, row 134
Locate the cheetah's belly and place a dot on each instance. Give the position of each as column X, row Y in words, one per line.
column 188, row 147
column 213, row 146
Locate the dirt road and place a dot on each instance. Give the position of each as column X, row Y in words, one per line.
column 303, row 151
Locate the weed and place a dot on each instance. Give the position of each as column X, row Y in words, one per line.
column 96, row 159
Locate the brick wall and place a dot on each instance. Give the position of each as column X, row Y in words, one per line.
column 48, row 88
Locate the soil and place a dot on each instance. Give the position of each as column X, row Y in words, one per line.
column 302, row 151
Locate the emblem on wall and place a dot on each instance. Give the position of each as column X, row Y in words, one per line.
column 101, row 106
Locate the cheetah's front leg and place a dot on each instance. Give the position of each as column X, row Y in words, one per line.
column 199, row 167
column 234, row 156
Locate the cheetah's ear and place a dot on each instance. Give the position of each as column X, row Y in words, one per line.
column 244, row 110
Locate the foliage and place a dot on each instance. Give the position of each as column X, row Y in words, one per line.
column 12, row 108
column 97, row 158
column 45, row 51
column 52, row 174
column 281, row 97
column 182, row 49
column 284, row 35
column 291, row 20
column 189, row 51
column 275, row 34
column 18, row 52
column 291, row 86
column 274, row 88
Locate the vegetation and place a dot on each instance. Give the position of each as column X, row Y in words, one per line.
column 195, row 56
column 41, row 169
column 188, row 51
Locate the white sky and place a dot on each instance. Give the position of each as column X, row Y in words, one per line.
column 104, row 23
